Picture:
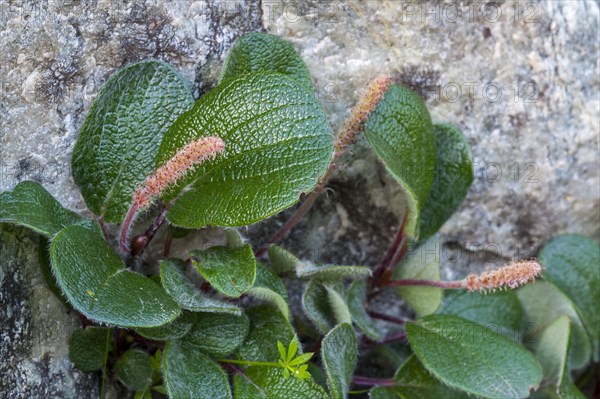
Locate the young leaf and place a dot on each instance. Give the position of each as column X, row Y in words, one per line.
column 292, row 349
column 491, row 366
column 499, row 311
column 282, row 261
column 231, row 271
column 266, row 329
column 269, row 383
column 117, row 146
column 571, row 263
column 133, row 369
column 218, row 334
column 422, row 263
column 277, row 145
column 189, row 373
column 338, row 306
column 95, row 281
column 356, row 299
column 255, row 52
column 542, row 303
column 317, row 306
column 552, row 350
column 88, row 348
column 30, row 205
column 339, row 353
column 452, row 178
column 401, row 133
column 186, row 294
column 414, row 381
column 269, row 287
column 175, row 329
column 331, row 272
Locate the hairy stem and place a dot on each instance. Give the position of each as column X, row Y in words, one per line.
column 125, row 227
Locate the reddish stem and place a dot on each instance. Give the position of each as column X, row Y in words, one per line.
column 395, row 252
column 125, row 226
column 291, row 222
column 382, row 316
column 393, row 338
column 369, row 381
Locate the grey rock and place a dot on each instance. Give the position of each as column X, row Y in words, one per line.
column 518, row 78
column 55, row 56
column 36, row 327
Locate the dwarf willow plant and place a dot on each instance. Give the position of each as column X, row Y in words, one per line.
column 217, row 324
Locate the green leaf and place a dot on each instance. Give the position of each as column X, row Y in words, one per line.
column 552, row 350
column 95, row 281
column 301, row 359
column 175, row 329
column 499, row 311
column 568, row 390
column 401, row 133
column 414, row 381
column 277, row 144
column 30, row 205
column 317, row 306
column 231, row 271
column 118, row 143
column 133, row 369
column 281, row 349
column 187, row 296
column 473, row 358
column 571, row 263
column 189, row 373
column 307, row 270
column 543, row 303
column 292, row 349
column 269, row 287
column 234, row 238
column 218, row 334
column 266, row 328
column 282, row 261
column 422, row 263
column 338, row 306
column 269, row 383
column 255, row 52
column 451, row 180
column 356, row 300
column 88, row 348
column 44, row 260
column 339, row 354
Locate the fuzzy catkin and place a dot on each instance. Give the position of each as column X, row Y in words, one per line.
column 361, row 111
column 512, row 275
column 182, row 162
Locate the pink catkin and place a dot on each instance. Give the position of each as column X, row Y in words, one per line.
column 186, row 158
column 361, row 111
column 512, row 275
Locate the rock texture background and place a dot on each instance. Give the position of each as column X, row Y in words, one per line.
column 520, row 79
